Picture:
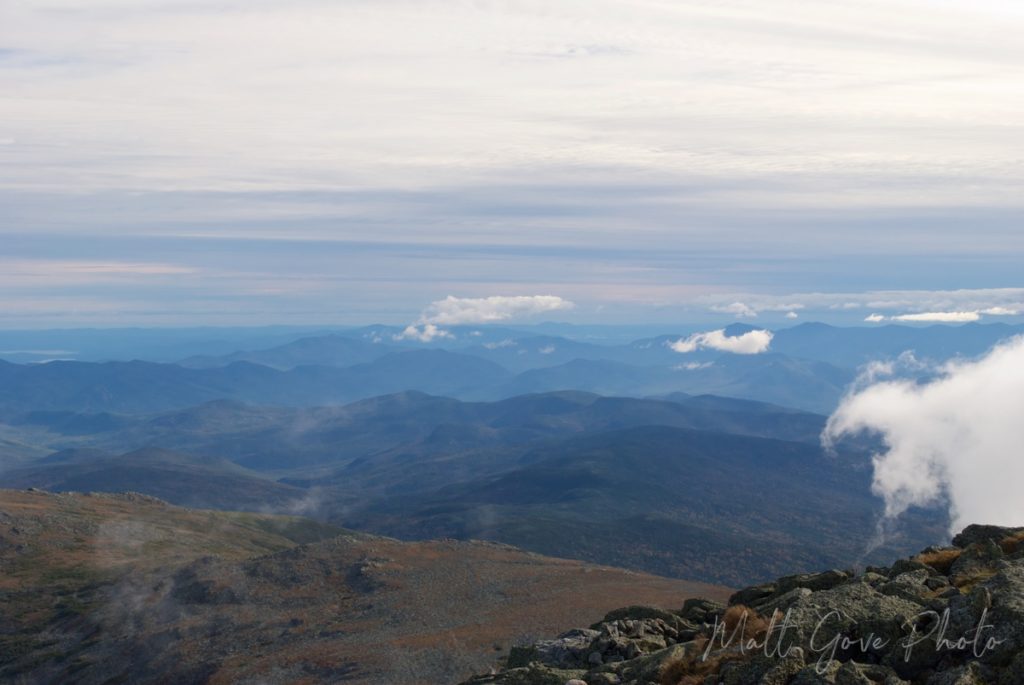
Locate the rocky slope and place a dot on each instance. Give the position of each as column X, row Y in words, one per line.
column 948, row 616
column 128, row 589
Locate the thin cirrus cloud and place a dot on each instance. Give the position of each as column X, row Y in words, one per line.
column 456, row 311
column 954, row 440
column 912, row 306
column 751, row 342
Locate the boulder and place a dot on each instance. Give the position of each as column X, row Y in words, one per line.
column 974, row 534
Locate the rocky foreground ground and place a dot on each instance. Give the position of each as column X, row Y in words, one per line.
column 948, row 616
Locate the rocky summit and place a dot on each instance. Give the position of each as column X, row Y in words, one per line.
column 947, row 616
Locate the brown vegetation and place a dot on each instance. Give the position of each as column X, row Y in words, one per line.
column 251, row 602
column 741, row 623
column 1012, row 543
column 940, row 560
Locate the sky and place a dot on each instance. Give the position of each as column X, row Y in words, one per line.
column 181, row 162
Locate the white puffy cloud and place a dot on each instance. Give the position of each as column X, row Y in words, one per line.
column 454, row 311
column 874, row 318
column 955, row 439
column 751, row 342
column 792, row 315
column 426, row 332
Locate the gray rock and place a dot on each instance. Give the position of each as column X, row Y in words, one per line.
column 567, row 650
column 1006, row 593
column 976, row 559
column 853, row 673
column 974, row 534
column 534, row 674
column 856, row 611
column 970, row 674
column 753, row 594
column 809, row 675
column 907, row 565
column 781, row 602
column 872, row 578
column 813, row 581
column 911, row 586
column 698, row 610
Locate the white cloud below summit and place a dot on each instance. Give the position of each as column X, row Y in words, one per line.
column 456, row 311
column 751, row 342
column 955, row 440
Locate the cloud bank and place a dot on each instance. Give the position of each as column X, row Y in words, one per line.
column 945, row 317
column 950, row 306
column 955, row 439
column 456, row 311
column 939, row 317
column 751, row 342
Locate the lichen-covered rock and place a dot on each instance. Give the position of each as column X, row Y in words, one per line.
column 534, row 674
column 813, row 581
column 647, row 668
column 957, row 622
column 911, row 586
column 1006, row 598
column 699, row 610
column 978, row 557
column 753, row 594
column 571, row 649
column 975, row 533
column 763, row 670
column 971, row 674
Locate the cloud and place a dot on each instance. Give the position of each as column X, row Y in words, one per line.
column 884, row 304
column 999, row 311
column 946, row 317
column 792, row 315
column 427, row 332
column 751, row 342
column 939, row 317
column 693, row 366
column 737, row 309
column 507, row 342
column 954, row 440
column 454, row 311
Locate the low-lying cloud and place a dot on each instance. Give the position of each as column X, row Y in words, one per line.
column 968, row 316
column 427, row 332
column 954, row 440
column 740, row 310
column 939, row 317
column 455, row 311
column 751, row 342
